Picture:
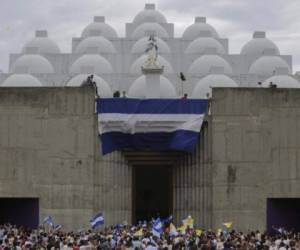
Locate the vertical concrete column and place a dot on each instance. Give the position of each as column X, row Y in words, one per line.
column 114, row 188
column 191, row 184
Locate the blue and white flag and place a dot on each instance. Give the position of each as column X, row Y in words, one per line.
column 168, row 219
column 57, row 227
column 156, row 124
column 157, row 227
column 97, row 220
column 48, row 220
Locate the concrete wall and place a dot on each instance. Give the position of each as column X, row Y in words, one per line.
column 255, row 153
column 47, row 149
column 113, row 187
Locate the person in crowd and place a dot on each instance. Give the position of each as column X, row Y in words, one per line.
column 140, row 237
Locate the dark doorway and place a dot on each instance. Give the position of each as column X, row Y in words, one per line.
column 152, row 192
column 20, row 211
column 283, row 212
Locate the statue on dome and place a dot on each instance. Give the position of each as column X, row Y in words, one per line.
column 152, row 51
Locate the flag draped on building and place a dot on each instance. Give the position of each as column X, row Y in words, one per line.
column 156, row 124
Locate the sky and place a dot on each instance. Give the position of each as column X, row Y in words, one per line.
column 233, row 19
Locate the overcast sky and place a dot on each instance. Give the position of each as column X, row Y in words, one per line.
column 233, row 19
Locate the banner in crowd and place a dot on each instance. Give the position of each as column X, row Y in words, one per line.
column 156, row 124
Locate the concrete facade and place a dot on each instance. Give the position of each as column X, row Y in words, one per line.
column 47, row 150
column 248, row 151
column 255, row 153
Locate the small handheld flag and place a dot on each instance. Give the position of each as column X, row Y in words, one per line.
column 139, row 233
column 48, row 220
column 188, row 222
column 198, row 232
column 182, row 229
column 157, row 227
column 173, row 231
column 57, row 227
column 168, row 219
column 97, row 220
column 228, row 224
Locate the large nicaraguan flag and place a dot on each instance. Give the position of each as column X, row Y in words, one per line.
column 156, row 124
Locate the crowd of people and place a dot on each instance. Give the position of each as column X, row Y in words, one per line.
column 142, row 237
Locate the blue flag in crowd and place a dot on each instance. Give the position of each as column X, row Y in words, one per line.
column 168, row 219
column 48, row 220
column 157, row 124
column 157, row 227
column 57, row 227
column 97, row 220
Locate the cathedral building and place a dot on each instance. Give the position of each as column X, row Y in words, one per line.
column 245, row 167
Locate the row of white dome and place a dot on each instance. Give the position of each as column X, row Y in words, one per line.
column 138, row 88
column 42, row 44
column 94, row 63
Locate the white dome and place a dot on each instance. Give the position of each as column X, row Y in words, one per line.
column 204, row 65
column 32, row 64
column 99, row 28
column 137, row 65
column 149, row 14
column 199, row 29
column 267, row 66
column 203, row 87
column 21, row 80
column 282, row 81
column 41, row 45
column 260, row 46
column 138, row 88
column 95, row 44
column 91, row 64
column 141, row 45
column 104, row 89
column 204, row 44
column 142, row 29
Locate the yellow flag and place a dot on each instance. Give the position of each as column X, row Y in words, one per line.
column 139, row 233
column 173, row 230
column 189, row 221
column 228, row 224
column 182, row 228
column 198, row 232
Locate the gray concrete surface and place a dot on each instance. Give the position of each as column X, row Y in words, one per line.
column 255, row 153
column 49, row 149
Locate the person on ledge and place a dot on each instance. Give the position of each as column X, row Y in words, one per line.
column 91, row 83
